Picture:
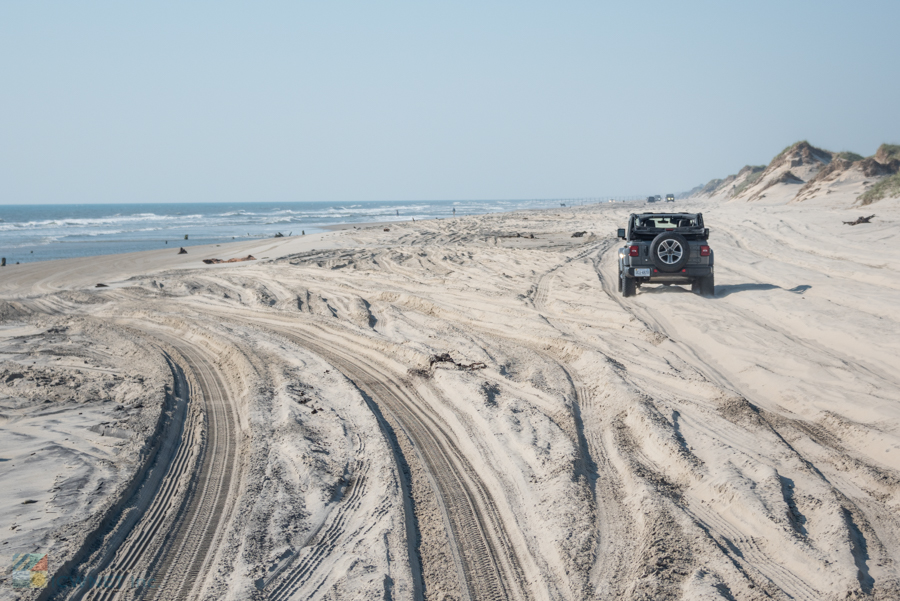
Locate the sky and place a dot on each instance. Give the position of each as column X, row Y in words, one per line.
column 112, row 102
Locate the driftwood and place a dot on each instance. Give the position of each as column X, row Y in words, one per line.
column 213, row 261
column 860, row 220
column 446, row 358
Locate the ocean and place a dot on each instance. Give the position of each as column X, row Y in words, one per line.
column 45, row 232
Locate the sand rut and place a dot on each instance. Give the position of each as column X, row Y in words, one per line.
column 173, row 543
column 489, row 566
column 190, row 548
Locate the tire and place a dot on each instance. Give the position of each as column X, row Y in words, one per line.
column 620, row 279
column 669, row 252
column 704, row 286
column 628, row 287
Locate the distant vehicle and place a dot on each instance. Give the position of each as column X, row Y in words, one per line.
column 670, row 198
column 652, row 198
column 666, row 248
column 658, row 198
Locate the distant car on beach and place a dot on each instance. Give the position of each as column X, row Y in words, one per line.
column 670, row 198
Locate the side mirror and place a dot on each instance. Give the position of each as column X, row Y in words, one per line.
column 620, row 233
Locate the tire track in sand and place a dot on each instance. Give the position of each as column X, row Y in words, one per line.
column 752, row 556
column 141, row 531
column 322, row 542
column 187, row 555
column 170, row 539
column 190, row 512
column 487, row 562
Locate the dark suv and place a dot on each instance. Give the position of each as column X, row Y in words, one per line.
column 666, row 248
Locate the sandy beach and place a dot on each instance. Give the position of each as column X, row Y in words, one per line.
column 462, row 409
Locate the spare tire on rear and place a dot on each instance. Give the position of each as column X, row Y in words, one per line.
column 669, row 251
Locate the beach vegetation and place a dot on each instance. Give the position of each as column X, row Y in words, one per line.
column 849, row 156
column 788, row 149
column 889, row 187
column 888, row 152
column 749, row 181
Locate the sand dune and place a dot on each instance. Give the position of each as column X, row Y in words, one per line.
column 297, row 439
column 802, row 172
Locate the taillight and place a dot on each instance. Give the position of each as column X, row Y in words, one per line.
column 634, row 251
column 704, row 251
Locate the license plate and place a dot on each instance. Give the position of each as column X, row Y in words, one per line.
column 642, row 272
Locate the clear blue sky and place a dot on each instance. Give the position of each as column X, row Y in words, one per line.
column 281, row 101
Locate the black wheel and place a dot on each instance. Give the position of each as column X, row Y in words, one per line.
column 628, row 286
column 620, row 280
column 669, row 251
column 704, row 286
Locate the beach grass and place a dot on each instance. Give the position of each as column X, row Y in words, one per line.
column 889, row 187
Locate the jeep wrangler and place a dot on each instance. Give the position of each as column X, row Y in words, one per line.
column 666, row 248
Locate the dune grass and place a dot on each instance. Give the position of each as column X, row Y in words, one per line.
column 889, row 187
column 891, row 151
column 783, row 152
column 849, row 156
column 749, row 181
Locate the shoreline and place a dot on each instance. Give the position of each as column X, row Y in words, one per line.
column 114, row 269
column 48, row 232
column 167, row 257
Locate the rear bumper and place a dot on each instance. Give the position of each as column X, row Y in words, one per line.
column 691, row 272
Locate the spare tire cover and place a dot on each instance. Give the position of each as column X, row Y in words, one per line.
column 669, row 251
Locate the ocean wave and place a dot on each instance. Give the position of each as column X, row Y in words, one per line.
column 69, row 222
